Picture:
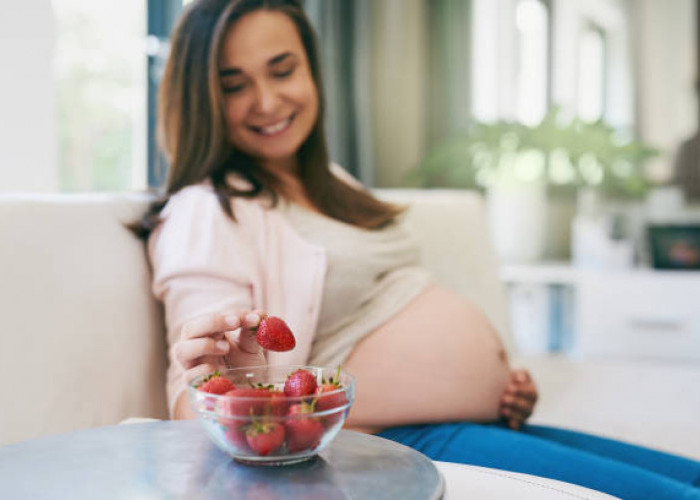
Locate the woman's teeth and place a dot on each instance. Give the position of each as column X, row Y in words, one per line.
column 273, row 129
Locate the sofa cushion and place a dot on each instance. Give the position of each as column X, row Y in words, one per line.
column 82, row 342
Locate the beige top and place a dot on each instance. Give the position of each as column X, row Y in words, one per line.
column 370, row 276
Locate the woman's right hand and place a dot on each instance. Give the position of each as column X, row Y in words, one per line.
column 216, row 341
column 519, row 398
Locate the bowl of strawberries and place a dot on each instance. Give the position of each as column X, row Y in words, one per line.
column 273, row 415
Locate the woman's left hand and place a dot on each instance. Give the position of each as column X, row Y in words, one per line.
column 519, row 398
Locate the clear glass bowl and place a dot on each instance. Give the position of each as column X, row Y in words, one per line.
column 231, row 421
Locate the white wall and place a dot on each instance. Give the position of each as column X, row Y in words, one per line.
column 666, row 56
column 28, row 149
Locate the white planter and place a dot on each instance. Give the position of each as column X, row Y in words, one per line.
column 517, row 216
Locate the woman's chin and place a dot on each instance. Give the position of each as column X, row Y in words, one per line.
column 281, row 156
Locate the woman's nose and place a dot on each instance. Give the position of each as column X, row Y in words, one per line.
column 265, row 98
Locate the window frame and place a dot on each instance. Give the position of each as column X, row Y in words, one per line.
column 161, row 18
column 590, row 26
column 548, row 7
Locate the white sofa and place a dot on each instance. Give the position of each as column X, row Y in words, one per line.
column 82, row 342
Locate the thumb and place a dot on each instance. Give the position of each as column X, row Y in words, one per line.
column 245, row 337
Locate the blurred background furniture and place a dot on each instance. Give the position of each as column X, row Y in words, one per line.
column 82, row 343
column 637, row 313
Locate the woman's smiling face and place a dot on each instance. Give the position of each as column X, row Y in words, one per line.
column 270, row 99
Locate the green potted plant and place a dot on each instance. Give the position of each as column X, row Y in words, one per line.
column 518, row 166
column 563, row 156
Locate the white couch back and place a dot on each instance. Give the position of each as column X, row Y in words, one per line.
column 451, row 226
column 82, row 340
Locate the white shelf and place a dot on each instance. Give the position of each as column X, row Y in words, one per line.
column 554, row 273
column 639, row 312
column 564, row 273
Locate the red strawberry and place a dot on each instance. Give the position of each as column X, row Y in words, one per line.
column 273, row 334
column 278, row 404
column 303, row 433
column 236, row 436
column 216, row 384
column 335, row 399
column 264, row 437
column 301, row 409
column 300, row 383
column 252, row 402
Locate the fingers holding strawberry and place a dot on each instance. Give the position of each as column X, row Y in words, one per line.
column 210, row 342
column 258, row 331
column 519, row 398
column 245, row 351
column 202, row 344
column 229, row 339
column 245, row 337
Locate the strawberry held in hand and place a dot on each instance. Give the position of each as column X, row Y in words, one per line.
column 273, row 334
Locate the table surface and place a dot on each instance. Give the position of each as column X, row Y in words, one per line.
column 174, row 459
column 169, row 459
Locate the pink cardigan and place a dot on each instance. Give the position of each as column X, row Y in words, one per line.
column 203, row 262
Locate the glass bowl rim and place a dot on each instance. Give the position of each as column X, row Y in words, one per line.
column 193, row 391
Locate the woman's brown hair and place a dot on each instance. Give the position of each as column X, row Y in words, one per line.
column 192, row 128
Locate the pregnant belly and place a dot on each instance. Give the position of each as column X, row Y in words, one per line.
column 438, row 360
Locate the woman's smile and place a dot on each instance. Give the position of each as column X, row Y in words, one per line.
column 275, row 128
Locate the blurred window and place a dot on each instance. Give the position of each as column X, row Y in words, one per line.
column 592, row 73
column 162, row 16
column 100, row 77
column 532, row 60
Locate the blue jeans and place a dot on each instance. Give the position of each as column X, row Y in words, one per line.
column 606, row 465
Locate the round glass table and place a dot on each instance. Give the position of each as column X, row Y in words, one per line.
column 175, row 460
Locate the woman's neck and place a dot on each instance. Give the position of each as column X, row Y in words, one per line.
column 283, row 169
column 288, row 175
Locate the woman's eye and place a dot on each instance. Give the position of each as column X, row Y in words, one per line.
column 283, row 74
column 233, row 89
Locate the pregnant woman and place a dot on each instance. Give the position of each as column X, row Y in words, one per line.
column 256, row 219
